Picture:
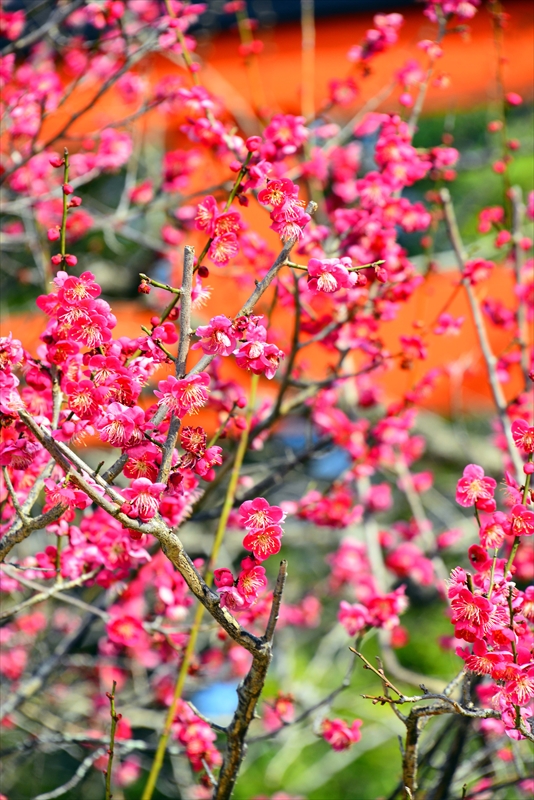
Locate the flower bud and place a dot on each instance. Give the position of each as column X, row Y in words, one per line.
column 406, row 100
column 53, row 234
column 513, row 99
column 253, row 143
column 502, row 238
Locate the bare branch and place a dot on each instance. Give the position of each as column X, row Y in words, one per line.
column 326, row 701
column 116, row 468
column 54, row 21
column 183, row 349
column 489, row 358
column 46, row 594
column 248, row 693
column 78, row 776
column 277, row 600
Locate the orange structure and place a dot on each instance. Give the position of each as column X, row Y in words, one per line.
column 469, row 66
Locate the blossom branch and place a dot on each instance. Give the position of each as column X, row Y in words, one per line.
column 261, row 288
column 21, row 530
column 208, row 579
column 248, row 693
column 129, row 62
column 181, row 359
column 37, row 680
column 168, row 539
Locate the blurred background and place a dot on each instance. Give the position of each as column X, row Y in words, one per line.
column 456, row 113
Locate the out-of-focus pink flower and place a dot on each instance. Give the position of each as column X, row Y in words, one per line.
column 354, row 618
column 339, row 735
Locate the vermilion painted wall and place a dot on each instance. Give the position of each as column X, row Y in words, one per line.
column 469, row 61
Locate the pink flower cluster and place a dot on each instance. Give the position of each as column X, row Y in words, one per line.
column 197, row 737
column 488, row 609
column 377, row 39
column 223, row 229
column 340, row 735
column 263, row 539
column 377, row 611
column 288, row 217
column 245, row 338
column 83, row 381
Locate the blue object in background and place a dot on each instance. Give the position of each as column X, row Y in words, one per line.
column 329, row 466
column 217, row 701
column 323, row 466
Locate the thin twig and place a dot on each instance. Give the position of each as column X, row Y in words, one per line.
column 326, row 701
column 46, row 594
column 489, row 357
column 111, row 749
column 13, row 497
column 277, row 600
column 78, row 776
column 53, row 21
column 380, row 674
column 183, row 349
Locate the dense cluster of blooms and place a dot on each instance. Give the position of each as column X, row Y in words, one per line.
column 263, row 539
column 115, row 532
column 488, row 609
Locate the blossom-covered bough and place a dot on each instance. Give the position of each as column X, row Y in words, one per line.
column 119, row 529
